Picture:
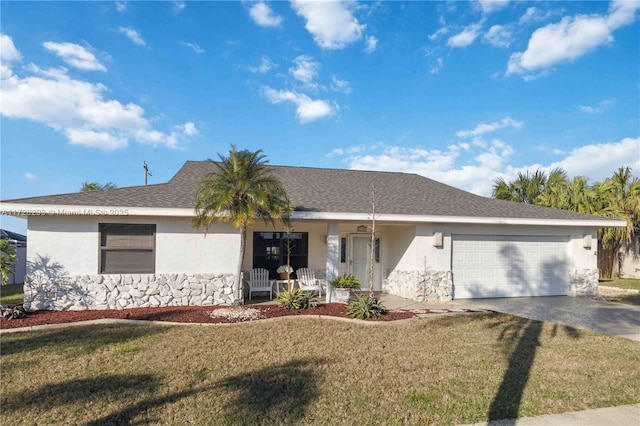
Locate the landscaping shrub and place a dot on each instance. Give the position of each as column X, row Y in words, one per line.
column 363, row 306
column 297, row 299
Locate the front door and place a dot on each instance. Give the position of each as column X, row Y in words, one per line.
column 361, row 258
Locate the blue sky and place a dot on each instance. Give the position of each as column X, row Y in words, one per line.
column 461, row 92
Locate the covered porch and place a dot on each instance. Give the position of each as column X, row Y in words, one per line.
column 405, row 260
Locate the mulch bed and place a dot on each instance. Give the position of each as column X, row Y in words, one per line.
column 184, row 314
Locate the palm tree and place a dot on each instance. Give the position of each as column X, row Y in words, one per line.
column 617, row 197
column 240, row 190
column 620, row 199
column 529, row 188
column 95, row 186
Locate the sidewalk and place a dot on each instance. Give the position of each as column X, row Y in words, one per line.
column 625, row 415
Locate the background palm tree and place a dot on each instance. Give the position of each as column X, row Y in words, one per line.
column 617, row 197
column 240, row 190
column 529, row 187
column 95, row 186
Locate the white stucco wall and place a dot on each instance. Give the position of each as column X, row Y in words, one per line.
column 402, row 247
column 579, row 257
column 630, row 265
column 411, row 248
column 73, row 243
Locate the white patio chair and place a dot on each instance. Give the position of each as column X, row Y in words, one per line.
column 307, row 281
column 259, row 281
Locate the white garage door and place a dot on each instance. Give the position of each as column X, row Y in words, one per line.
column 509, row 266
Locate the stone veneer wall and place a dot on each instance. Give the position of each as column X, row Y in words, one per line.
column 583, row 282
column 421, row 286
column 120, row 291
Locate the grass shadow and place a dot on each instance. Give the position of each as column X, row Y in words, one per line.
column 129, row 413
column 279, row 394
column 506, row 402
column 520, row 337
column 83, row 338
column 71, row 392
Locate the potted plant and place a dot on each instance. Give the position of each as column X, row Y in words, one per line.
column 284, row 271
column 342, row 286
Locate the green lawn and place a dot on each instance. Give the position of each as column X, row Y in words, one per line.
column 626, row 283
column 439, row 370
column 11, row 294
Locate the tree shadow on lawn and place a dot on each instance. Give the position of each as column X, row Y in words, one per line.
column 82, row 338
column 276, row 394
column 50, row 396
column 521, row 337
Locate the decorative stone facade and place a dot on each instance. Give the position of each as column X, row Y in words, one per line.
column 421, row 286
column 583, row 282
column 87, row 292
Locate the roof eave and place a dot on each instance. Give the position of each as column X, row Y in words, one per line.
column 599, row 223
column 25, row 210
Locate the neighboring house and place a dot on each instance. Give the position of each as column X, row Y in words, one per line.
column 630, row 259
column 20, row 243
column 135, row 246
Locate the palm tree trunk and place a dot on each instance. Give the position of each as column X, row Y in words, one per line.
column 238, row 282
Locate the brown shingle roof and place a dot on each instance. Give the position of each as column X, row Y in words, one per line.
column 323, row 190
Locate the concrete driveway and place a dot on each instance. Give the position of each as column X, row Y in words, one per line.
column 615, row 319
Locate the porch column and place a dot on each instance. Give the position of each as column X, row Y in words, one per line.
column 333, row 255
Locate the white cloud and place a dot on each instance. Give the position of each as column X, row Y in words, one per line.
column 466, row 36
column 571, row 38
column 79, row 110
column 121, row 6
column 265, row 66
column 372, row 44
column 307, row 109
column 95, row 139
column 437, row 67
column 194, row 47
column 8, row 51
column 179, row 6
column 340, row 85
column 132, row 35
column 610, row 155
column 534, row 14
column 262, row 15
column 75, row 55
column 477, row 173
column 331, row 23
column 305, row 70
column 483, row 128
column 597, row 109
column 498, row 36
column 489, row 6
column 190, row 129
column 442, row 31
column 30, row 176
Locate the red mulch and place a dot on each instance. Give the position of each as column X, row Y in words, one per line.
column 186, row 314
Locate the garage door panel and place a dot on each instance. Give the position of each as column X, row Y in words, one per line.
column 509, row 266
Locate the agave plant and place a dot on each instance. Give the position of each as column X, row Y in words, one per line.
column 297, row 299
column 365, row 306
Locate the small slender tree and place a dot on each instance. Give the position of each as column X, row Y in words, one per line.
column 288, row 227
column 241, row 189
column 373, row 241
